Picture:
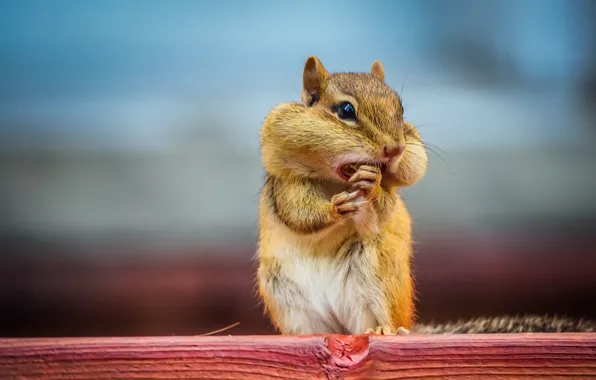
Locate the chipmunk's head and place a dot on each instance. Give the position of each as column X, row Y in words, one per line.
column 347, row 119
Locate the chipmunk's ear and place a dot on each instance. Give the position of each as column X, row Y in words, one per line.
column 313, row 80
column 377, row 70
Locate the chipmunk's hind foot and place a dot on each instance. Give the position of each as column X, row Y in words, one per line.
column 387, row 330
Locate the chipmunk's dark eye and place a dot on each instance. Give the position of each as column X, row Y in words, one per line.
column 346, row 111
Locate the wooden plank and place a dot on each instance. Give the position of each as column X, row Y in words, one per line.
column 491, row 356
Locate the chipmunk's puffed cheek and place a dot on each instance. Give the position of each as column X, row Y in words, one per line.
column 412, row 167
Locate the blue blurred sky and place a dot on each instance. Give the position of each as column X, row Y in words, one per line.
column 126, row 68
column 170, row 85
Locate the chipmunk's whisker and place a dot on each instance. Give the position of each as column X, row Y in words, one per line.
column 434, row 152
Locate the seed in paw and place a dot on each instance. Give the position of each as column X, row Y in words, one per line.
column 349, row 169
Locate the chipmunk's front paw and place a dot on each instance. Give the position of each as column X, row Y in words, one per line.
column 348, row 203
column 387, row 330
column 367, row 180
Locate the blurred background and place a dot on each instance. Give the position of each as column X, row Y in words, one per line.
column 130, row 168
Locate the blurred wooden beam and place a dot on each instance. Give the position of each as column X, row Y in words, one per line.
column 507, row 356
column 58, row 291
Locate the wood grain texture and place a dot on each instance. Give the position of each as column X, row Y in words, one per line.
column 493, row 356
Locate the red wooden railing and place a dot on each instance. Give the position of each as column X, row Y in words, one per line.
column 509, row 356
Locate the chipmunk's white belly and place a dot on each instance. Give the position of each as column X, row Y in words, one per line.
column 335, row 294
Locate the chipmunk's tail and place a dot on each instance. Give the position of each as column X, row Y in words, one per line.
column 509, row 324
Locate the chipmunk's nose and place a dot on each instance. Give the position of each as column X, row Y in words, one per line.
column 391, row 151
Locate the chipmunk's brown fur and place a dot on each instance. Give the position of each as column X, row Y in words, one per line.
column 334, row 251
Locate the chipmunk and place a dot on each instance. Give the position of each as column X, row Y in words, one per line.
column 335, row 238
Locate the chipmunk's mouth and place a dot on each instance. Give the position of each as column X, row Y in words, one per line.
column 348, row 170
